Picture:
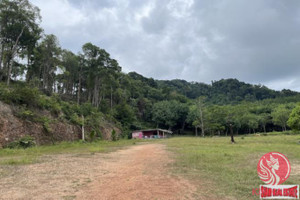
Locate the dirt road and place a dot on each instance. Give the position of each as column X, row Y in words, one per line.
column 138, row 172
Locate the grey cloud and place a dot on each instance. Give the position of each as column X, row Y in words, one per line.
column 255, row 41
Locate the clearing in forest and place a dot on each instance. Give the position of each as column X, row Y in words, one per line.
column 138, row 172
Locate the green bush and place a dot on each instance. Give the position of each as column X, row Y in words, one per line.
column 24, row 96
column 31, row 116
column 13, row 145
column 75, row 119
column 114, row 136
column 86, row 109
column 4, row 93
column 49, row 103
column 94, row 120
column 92, row 135
column 19, row 94
column 70, row 111
column 45, row 122
column 99, row 134
column 26, row 114
column 24, row 142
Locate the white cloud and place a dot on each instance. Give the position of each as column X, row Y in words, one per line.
column 180, row 8
column 60, row 14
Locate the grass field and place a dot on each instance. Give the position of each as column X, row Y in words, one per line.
column 32, row 155
column 230, row 169
column 214, row 164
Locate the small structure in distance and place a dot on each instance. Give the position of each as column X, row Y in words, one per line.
column 151, row 133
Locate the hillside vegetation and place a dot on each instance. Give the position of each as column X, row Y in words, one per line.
column 45, row 84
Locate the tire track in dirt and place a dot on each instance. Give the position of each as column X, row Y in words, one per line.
column 138, row 172
column 141, row 172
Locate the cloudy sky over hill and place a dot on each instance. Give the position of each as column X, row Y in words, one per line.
column 256, row 41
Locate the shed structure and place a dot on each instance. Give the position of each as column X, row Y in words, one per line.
column 151, row 133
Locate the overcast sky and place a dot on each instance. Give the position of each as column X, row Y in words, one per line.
column 256, row 41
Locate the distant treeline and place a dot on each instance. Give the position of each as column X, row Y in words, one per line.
column 93, row 78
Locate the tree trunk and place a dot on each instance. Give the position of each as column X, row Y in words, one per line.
column 82, row 129
column 10, row 66
column 264, row 126
column 196, row 131
column 231, row 134
column 45, row 76
column 182, row 128
column 96, row 93
column 5, row 64
column 202, row 124
column 27, row 78
column 79, row 89
column 54, row 87
column 1, row 56
column 111, row 96
column 13, row 52
column 90, row 96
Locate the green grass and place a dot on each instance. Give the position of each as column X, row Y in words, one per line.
column 230, row 169
column 32, row 155
column 217, row 165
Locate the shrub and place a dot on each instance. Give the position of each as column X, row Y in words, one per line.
column 13, row 145
column 31, row 116
column 92, row 135
column 24, row 142
column 86, row 109
column 94, row 120
column 114, row 136
column 4, row 93
column 26, row 114
column 24, row 96
column 70, row 110
column 46, row 126
column 49, row 103
column 19, row 94
column 75, row 119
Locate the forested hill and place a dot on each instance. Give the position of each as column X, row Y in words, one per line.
column 224, row 91
column 44, row 84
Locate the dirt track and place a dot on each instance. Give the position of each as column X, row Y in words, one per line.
column 139, row 172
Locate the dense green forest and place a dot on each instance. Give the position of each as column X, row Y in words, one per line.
column 35, row 72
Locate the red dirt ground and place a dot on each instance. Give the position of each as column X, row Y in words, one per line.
column 139, row 172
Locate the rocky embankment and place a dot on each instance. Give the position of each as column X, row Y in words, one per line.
column 13, row 128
